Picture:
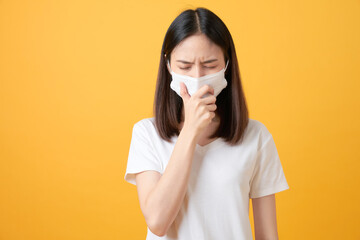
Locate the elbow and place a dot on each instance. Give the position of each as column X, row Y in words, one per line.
column 155, row 221
column 157, row 232
column 157, row 227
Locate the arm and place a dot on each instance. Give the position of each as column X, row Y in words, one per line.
column 161, row 196
column 264, row 209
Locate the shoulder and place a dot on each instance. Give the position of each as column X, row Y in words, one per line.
column 258, row 130
column 257, row 126
column 146, row 130
column 145, row 126
column 145, row 122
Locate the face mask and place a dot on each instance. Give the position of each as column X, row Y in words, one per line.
column 215, row 80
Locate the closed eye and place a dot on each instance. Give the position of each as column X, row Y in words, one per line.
column 189, row 67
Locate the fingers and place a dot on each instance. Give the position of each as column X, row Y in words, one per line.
column 183, row 91
column 199, row 109
column 204, row 89
column 211, row 99
column 211, row 107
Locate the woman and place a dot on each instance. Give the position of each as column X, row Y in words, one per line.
column 197, row 163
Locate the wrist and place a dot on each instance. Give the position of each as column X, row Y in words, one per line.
column 189, row 133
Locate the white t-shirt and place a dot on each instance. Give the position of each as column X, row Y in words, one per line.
column 222, row 179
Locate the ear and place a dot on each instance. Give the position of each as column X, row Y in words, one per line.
column 167, row 66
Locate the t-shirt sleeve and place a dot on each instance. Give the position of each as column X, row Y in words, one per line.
column 268, row 176
column 142, row 154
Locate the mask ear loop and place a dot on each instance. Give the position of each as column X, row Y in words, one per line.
column 168, row 63
column 226, row 65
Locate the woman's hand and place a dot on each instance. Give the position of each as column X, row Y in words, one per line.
column 199, row 111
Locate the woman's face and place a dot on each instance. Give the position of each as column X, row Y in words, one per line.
column 197, row 56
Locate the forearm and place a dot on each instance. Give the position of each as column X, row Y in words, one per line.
column 265, row 222
column 165, row 200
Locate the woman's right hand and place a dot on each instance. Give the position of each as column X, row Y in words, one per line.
column 199, row 111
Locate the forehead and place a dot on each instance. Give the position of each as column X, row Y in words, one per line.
column 197, row 46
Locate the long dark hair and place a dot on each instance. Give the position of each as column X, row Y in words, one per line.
column 231, row 103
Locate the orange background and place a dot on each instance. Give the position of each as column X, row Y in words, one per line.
column 76, row 75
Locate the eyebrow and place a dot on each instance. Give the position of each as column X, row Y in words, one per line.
column 208, row 61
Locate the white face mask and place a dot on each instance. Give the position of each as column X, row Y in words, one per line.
column 216, row 80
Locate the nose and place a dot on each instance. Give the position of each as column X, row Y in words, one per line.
column 198, row 72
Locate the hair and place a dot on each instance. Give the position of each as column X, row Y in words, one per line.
column 231, row 103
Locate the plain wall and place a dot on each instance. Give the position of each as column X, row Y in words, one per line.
column 76, row 75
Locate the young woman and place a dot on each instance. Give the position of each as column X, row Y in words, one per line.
column 200, row 159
